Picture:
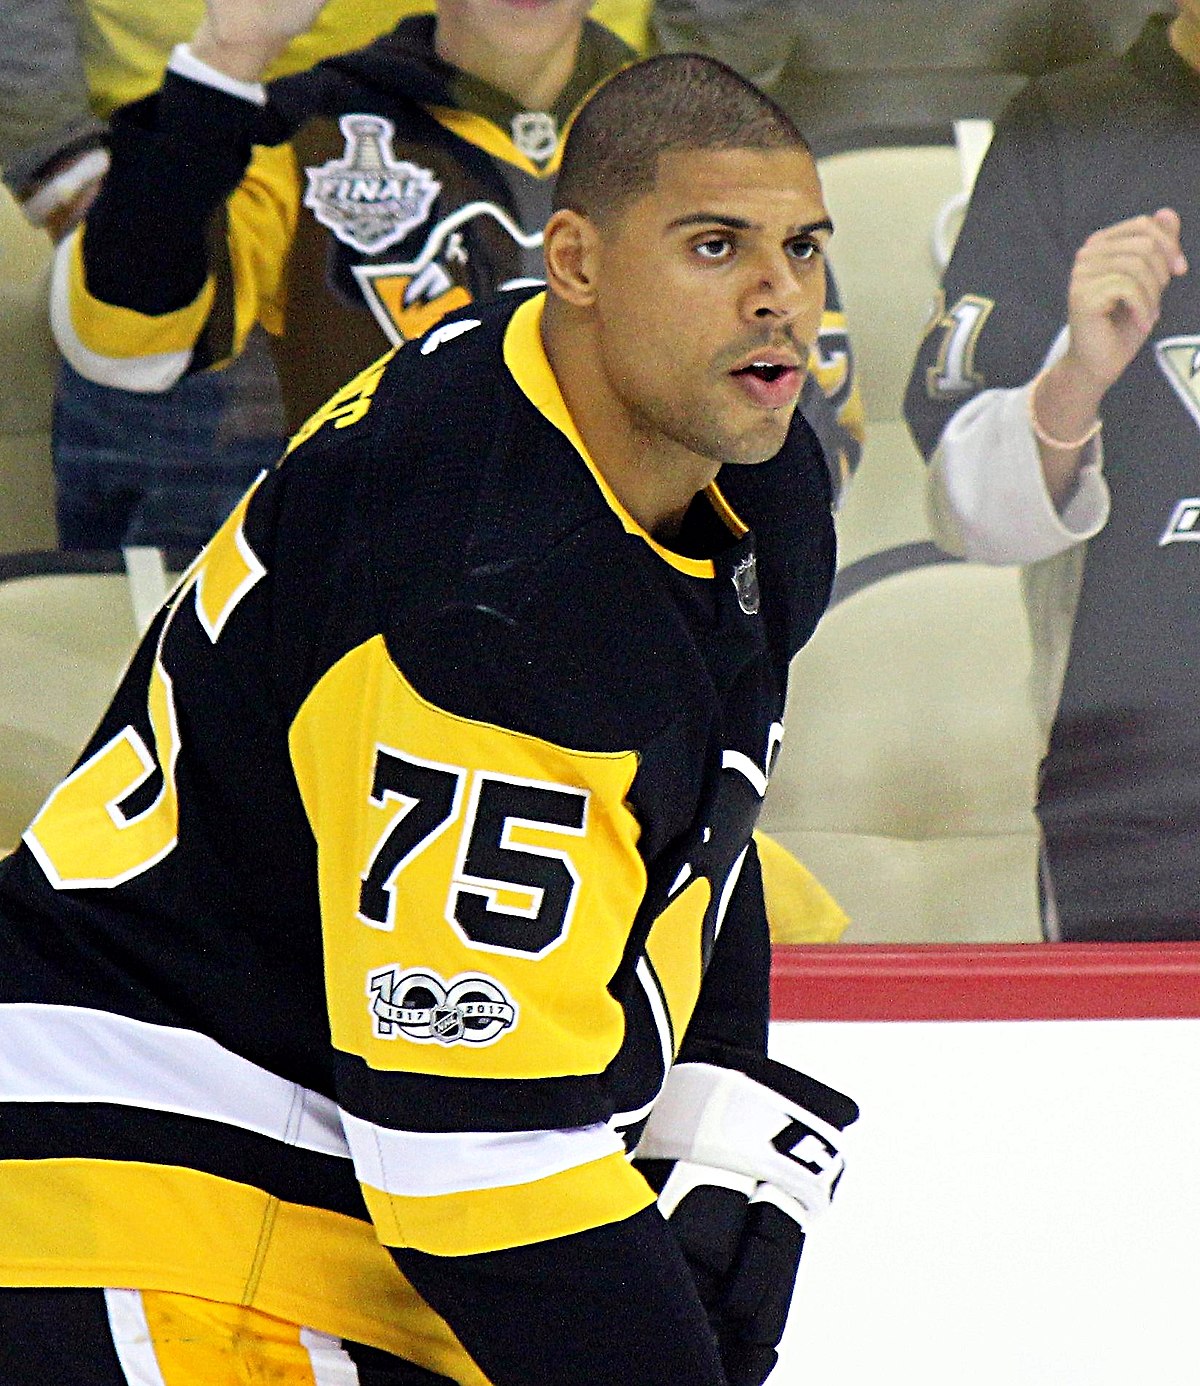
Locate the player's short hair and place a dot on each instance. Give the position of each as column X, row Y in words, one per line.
column 676, row 102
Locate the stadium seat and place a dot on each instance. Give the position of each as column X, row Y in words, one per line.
column 888, row 203
column 67, row 629
column 28, row 362
column 906, row 779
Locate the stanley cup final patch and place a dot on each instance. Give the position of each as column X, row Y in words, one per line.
column 368, row 198
column 416, row 1004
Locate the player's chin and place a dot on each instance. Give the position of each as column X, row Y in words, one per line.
column 760, row 442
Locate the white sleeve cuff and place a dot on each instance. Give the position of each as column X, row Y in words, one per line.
column 987, row 495
column 184, row 63
column 725, row 1120
column 57, row 191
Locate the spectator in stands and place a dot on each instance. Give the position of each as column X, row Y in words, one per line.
column 1057, row 398
column 458, row 114
column 161, row 469
column 752, row 36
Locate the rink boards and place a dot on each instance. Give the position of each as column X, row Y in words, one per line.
column 1021, row 1205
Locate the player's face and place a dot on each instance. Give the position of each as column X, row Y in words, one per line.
column 709, row 296
column 532, row 27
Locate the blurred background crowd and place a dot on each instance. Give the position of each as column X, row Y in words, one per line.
column 991, row 735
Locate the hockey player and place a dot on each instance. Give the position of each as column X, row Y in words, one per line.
column 347, row 207
column 408, row 883
column 1064, row 306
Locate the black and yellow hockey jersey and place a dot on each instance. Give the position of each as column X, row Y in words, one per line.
column 370, row 196
column 414, row 845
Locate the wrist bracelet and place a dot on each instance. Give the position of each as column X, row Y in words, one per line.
column 1043, row 437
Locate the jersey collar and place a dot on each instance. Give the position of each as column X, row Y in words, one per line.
column 525, row 357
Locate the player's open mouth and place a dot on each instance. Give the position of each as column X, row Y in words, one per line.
column 771, row 384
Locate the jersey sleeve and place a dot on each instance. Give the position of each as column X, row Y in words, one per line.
column 203, row 184
column 998, row 319
column 478, row 888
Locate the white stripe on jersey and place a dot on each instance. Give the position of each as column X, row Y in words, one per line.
column 422, row 1164
column 131, row 1338
column 73, row 1054
column 147, row 375
column 331, row 1363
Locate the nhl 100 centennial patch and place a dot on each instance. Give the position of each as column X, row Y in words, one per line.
column 416, row 1004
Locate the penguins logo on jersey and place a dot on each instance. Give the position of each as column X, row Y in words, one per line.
column 416, row 1004
column 368, row 198
column 408, row 299
column 1179, row 360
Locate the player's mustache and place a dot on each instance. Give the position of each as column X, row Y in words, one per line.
column 779, row 338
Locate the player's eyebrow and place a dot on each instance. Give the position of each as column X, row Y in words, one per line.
column 741, row 223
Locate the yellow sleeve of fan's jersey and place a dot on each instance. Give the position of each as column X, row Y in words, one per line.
column 130, row 350
column 628, row 19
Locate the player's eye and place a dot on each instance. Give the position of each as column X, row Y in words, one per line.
column 804, row 248
column 714, row 247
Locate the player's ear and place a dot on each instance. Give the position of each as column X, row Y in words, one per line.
column 570, row 244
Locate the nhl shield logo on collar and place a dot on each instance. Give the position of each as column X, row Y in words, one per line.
column 368, row 198
column 535, row 133
column 745, row 582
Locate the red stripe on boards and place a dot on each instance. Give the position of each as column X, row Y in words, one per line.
column 1036, row 981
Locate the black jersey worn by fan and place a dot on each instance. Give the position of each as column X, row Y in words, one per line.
column 1113, row 576
column 418, row 836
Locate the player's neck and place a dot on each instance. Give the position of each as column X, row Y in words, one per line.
column 1185, row 39
column 534, row 79
column 654, row 479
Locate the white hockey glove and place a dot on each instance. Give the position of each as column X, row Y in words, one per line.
column 743, row 1162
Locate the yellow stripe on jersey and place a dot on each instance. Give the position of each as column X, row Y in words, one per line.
column 199, row 1342
column 799, row 908
column 458, row 858
column 263, row 211
column 525, row 357
column 122, row 333
column 168, row 1228
column 460, row 1224
column 226, row 570
column 180, row 1340
column 674, row 949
